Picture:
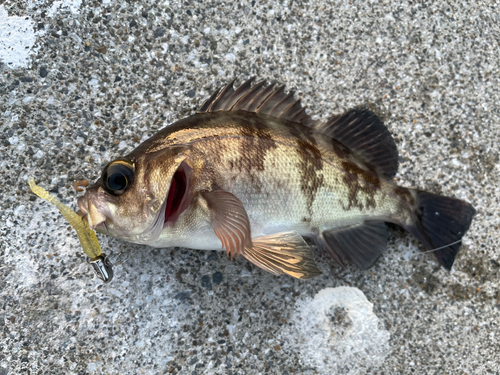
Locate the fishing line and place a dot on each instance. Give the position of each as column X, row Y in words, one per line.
column 439, row 248
column 120, row 255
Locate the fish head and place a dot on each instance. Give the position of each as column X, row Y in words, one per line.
column 137, row 196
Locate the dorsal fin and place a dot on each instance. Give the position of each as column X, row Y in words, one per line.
column 361, row 131
column 262, row 98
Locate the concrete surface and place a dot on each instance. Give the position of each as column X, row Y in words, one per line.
column 104, row 75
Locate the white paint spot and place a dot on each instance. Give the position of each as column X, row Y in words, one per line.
column 17, row 37
column 337, row 332
column 72, row 5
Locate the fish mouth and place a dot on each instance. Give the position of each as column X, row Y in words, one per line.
column 98, row 224
column 83, row 204
column 179, row 195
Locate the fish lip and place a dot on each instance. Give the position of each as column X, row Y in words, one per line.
column 83, row 212
column 83, row 204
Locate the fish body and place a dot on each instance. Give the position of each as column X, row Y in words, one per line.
column 287, row 177
column 251, row 172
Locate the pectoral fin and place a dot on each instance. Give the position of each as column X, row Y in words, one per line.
column 229, row 220
column 285, row 252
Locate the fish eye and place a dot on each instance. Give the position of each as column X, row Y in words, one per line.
column 117, row 177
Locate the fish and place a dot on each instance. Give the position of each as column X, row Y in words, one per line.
column 252, row 173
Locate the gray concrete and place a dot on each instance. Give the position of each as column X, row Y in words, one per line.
column 115, row 73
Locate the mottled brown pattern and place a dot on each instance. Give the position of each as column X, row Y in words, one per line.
column 253, row 149
column 310, row 163
column 253, row 146
column 405, row 194
column 245, row 143
column 361, row 184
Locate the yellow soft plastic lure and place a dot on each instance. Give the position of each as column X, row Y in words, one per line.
column 87, row 237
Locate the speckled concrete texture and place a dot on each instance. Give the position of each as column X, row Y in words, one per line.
column 105, row 75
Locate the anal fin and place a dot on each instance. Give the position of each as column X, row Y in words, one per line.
column 285, row 252
column 359, row 244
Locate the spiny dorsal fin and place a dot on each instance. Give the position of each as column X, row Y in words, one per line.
column 262, row 98
column 361, row 131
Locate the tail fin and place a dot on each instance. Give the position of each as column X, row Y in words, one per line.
column 440, row 221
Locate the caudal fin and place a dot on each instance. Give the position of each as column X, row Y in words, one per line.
column 441, row 222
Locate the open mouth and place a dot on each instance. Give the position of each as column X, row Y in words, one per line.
column 179, row 195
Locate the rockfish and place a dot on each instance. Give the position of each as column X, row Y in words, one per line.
column 252, row 173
